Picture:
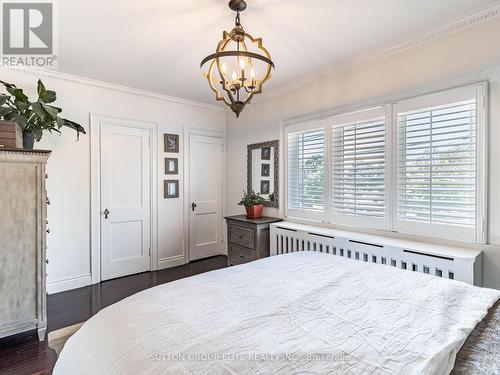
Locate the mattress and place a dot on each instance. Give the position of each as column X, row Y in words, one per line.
column 304, row 312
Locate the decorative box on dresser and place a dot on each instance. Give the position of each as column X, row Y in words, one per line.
column 247, row 239
column 23, row 213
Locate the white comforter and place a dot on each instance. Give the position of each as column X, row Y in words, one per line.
column 307, row 313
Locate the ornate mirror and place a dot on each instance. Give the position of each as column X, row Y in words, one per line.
column 263, row 171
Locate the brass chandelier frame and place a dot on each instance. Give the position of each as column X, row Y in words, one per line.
column 233, row 91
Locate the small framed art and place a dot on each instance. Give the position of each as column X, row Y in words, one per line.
column 265, row 153
column 171, row 166
column 171, row 189
column 171, row 143
column 265, row 170
column 264, row 187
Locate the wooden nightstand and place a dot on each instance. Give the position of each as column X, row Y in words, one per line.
column 247, row 239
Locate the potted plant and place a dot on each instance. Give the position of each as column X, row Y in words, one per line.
column 34, row 117
column 254, row 204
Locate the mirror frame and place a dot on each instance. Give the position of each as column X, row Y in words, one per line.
column 256, row 146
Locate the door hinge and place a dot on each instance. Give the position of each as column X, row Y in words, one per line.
column 150, row 251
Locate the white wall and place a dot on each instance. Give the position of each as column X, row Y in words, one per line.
column 466, row 56
column 69, row 171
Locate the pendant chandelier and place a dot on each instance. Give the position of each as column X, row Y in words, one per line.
column 240, row 65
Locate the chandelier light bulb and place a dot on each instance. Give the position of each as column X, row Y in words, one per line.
column 234, row 76
column 242, row 64
column 252, row 73
column 224, row 68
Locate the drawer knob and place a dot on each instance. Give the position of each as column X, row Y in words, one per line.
column 240, row 236
column 48, row 230
column 242, row 256
column 47, row 261
column 48, row 201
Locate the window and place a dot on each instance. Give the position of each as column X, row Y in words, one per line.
column 306, row 173
column 437, row 164
column 414, row 166
column 358, row 168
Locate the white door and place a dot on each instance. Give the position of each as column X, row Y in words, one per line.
column 205, row 194
column 125, row 200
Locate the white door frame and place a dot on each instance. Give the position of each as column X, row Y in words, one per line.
column 95, row 188
column 187, row 199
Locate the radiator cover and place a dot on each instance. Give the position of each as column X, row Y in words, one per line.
column 457, row 263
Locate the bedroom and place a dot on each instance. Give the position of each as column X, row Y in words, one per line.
column 373, row 142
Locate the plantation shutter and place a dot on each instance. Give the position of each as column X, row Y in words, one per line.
column 415, row 166
column 359, row 169
column 436, row 165
column 306, row 179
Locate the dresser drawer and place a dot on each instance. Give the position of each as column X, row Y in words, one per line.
column 242, row 236
column 238, row 254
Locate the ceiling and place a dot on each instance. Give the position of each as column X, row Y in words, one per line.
column 157, row 45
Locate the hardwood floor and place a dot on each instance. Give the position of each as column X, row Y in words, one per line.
column 24, row 354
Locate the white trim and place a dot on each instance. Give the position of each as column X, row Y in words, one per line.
column 169, row 262
column 366, row 115
column 186, row 196
column 474, row 77
column 402, row 236
column 482, row 178
column 283, row 163
column 458, row 24
column 390, row 165
column 309, row 125
column 284, row 168
column 95, row 199
column 328, row 172
column 44, row 73
column 69, row 283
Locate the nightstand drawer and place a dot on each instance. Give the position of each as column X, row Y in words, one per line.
column 242, row 236
column 238, row 254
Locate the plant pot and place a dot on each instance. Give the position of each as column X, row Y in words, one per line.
column 255, row 211
column 28, row 140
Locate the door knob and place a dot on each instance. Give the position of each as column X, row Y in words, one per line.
column 193, row 206
column 106, row 213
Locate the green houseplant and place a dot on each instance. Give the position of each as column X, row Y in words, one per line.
column 34, row 117
column 254, row 204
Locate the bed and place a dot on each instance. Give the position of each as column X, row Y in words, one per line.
column 303, row 312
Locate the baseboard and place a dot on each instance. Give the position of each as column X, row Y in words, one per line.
column 67, row 284
column 171, row 262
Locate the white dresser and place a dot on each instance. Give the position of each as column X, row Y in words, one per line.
column 23, row 213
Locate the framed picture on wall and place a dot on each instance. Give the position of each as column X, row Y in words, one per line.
column 171, row 143
column 171, row 166
column 265, row 170
column 264, row 187
column 266, row 153
column 171, row 189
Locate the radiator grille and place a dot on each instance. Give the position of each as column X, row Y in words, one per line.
column 287, row 240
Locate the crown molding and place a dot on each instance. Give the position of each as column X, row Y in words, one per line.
column 45, row 73
column 456, row 25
